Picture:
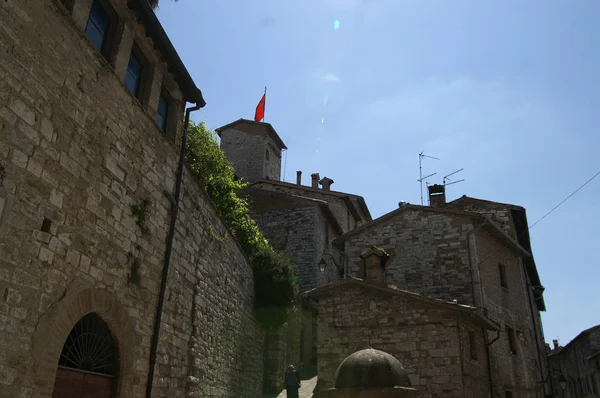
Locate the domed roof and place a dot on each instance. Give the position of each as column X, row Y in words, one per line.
column 371, row 368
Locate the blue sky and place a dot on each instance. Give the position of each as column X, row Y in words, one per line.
column 507, row 90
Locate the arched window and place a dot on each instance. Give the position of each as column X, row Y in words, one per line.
column 90, row 347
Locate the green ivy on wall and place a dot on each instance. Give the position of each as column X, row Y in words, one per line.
column 274, row 274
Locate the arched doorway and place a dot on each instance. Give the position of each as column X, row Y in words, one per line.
column 87, row 367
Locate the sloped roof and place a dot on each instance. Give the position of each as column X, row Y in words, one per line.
column 143, row 11
column 492, row 228
column 266, row 127
column 323, row 205
column 332, row 288
column 344, row 196
column 519, row 216
column 580, row 335
column 469, row 199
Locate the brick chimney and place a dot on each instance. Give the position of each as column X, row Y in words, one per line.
column 437, row 195
column 298, row 177
column 326, row 183
column 314, row 180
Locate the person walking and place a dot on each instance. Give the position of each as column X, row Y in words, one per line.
column 292, row 382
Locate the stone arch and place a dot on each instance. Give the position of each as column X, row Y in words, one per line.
column 80, row 299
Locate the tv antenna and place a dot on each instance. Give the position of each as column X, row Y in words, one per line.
column 447, row 178
column 421, row 178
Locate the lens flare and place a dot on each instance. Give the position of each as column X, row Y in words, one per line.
column 336, row 24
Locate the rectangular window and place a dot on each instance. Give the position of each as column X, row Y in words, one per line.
column 508, row 394
column 133, row 78
column 98, row 26
column 161, row 113
column 472, row 346
column 502, row 271
column 512, row 341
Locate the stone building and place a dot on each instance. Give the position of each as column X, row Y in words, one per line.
column 300, row 220
column 469, row 252
column 575, row 368
column 104, row 238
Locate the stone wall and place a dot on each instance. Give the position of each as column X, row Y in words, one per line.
column 428, row 253
column 78, row 151
column 335, row 202
column 572, row 361
column 299, row 228
column 246, row 152
column 510, row 307
column 429, row 341
column 497, row 212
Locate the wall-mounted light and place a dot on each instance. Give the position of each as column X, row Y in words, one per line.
column 322, row 265
column 562, row 381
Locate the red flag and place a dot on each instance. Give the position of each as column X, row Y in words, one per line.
column 260, row 109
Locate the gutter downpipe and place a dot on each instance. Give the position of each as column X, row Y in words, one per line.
column 532, row 302
column 487, row 341
column 169, row 247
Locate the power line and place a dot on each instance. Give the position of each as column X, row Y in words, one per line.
column 545, row 215
column 567, row 198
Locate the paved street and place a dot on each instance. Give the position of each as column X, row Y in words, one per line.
column 306, row 390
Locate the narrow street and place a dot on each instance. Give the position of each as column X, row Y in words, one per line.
column 306, row 391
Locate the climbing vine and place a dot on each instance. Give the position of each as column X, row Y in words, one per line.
column 140, row 211
column 274, row 274
column 2, row 172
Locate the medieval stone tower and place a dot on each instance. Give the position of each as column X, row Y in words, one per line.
column 254, row 149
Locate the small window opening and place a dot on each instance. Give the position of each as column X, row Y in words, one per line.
column 267, row 154
column 46, row 225
column 472, row 346
column 503, row 279
column 512, row 341
column 161, row 113
column 508, row 394
column 133, row 78
column 98, row 26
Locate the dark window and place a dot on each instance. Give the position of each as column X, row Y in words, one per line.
column 508, row 394
column 46, row 225
column 133, row 78
column 267, row 154
column 98, row 26
column 162, row 112
column 512, row 341
column 472, row 346
column 502, row 271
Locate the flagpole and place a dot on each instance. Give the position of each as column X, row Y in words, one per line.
column 265, row 105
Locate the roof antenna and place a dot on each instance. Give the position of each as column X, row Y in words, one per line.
column 421, row 178
column 285, row 160
column 447, row 178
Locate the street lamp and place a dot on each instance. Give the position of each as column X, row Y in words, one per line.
column 323, row 264
column 562, row 381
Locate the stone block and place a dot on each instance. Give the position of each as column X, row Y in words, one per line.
column 19, row 158
column 34, row 167
column 112, row 165
column 22, row 110
column 46, row 255
column 73, row 257
column 8, row 116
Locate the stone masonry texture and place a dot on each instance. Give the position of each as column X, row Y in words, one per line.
column 446, row 256
column 78, row 150
column 430, row 342
column 253, row 153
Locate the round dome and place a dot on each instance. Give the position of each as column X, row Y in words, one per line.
column 371, row 369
